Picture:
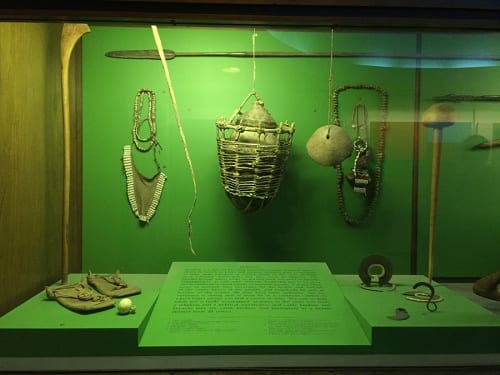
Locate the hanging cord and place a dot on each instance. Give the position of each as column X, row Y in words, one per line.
column 181, row 131
column 330, row 84
column 379, row 156
column 254, row 36
column 150, row 142
column 252, row 92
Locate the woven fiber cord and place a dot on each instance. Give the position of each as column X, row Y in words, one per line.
column 159, row 46
column 330, row 82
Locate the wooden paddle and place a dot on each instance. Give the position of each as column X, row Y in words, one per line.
column 70, row 35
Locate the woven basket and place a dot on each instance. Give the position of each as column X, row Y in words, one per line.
column 252, row 150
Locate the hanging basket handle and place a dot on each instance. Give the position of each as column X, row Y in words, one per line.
column 238, row 111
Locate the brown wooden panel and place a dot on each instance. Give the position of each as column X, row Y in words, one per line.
column 30, row 160
column 466, row 4
column 441, row 14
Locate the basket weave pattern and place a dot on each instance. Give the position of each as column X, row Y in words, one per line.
column 252, row 150
column 252, row 169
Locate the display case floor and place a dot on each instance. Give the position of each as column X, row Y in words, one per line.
column 230, row 314
column 459, row 325
column 42, row 327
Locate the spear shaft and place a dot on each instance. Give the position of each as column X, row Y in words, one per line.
column 170, row 55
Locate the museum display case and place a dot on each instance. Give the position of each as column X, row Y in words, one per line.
column 206, row 185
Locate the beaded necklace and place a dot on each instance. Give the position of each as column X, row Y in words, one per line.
column 361, row 152
column 143, row 193
column 145, row 144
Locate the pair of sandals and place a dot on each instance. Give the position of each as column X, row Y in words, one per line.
column 92, row 293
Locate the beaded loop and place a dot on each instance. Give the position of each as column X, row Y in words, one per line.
column 151, row 140
column 379, row 155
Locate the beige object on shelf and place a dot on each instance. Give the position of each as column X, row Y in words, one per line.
column 79, row 297
column 112, row 285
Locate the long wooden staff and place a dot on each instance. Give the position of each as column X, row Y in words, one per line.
column 437, row 117
column 437, row 139
column 70, row 35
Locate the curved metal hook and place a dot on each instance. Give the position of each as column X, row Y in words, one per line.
column 430, row 305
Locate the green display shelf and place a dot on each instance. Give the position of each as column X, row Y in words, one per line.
column 457, row 326
column 253, row 308
column 42, row 327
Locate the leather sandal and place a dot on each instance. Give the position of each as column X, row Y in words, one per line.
column 78, row 297
column 112, row 285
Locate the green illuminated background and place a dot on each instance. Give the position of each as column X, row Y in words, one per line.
column 303, row 222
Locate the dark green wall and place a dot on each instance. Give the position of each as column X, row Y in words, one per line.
column 303, row 222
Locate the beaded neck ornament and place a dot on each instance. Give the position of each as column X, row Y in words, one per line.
column 143, row 192
column 359, row 177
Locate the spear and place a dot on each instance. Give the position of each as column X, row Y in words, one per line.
column 170, row 55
